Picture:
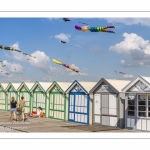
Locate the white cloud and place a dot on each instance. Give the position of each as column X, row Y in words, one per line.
column 132, row 42
column 128, row 76
column 16, row 46
column 135, row 48
column 130, row 21
column 63, row 37
column 13, row 67
column 41, row 59
column 17, row 55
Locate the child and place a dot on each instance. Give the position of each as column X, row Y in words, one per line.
column 39, row 113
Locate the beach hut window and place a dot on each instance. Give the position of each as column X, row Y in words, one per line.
column 148, row 105
column 142, row 105
column 131, row 105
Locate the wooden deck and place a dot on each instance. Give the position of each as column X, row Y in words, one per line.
column 33, row 125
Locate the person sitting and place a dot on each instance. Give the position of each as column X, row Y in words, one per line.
column 39, row 113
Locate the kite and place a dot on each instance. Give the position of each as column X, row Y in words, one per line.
column 95, row 29
column 3, row 65
column 115, row 71
column 65, row 65
column 122, row 73
column 66, row 19
column 63, row 42
column 13, row 49
column 7, row 74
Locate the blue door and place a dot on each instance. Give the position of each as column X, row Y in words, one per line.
column 78, row 110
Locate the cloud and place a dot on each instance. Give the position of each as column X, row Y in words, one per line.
column 128, row 76
column 16, row 46
column 95, row 49
column 11, row 68
column 17, row 55
column 130, row 21
column 135, row 48
column 63, row 37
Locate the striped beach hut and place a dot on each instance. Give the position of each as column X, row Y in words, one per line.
column 11, row 90
column 3, row 96
column 109, row 102
column 79, row 102
column 24, row 90
column 39, row 97
column 137, row 104
column 57, row 100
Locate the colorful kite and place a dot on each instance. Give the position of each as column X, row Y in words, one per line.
column 94, row 29
column 122, row 73
column 65, row 65
column 13, row 49
column 66, row 19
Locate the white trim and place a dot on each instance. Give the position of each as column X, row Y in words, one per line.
column 126, row 88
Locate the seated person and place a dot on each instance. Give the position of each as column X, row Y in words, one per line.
column 39, row 113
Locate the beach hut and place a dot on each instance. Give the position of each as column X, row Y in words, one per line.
column 108, row 102
column 11, row 90
column 3, row 96
column 57, row 100
column 39, row 97
column 24, row 90
column 79, row 102
column 137, row 104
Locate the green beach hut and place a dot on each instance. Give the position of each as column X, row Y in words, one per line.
column 11, row 90
column 3, row 96
column 24, row 90
column 57, row 100
column 39, row 97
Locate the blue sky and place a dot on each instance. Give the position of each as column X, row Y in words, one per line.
column 95, row 55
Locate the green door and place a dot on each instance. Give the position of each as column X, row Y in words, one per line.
column 2, row 100
column 57, row 103
column 39, row 99
column 27, row 99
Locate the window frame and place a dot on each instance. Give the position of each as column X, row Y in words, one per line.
column 131, row 105
column 142, row 105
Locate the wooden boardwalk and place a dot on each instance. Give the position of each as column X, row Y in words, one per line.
column 33, row 125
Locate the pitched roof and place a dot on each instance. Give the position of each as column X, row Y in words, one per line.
column 86, row 86
column 14, row 85
column 4, row 85
column 63, row 85
column 44, row 85
column 29, row 85
column 145, row 80
column 117, row 85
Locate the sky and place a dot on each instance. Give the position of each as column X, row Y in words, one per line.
column 95, row 54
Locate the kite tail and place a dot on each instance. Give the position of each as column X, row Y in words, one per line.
column 106, row 27
column 108, row 31
column 100, row 29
